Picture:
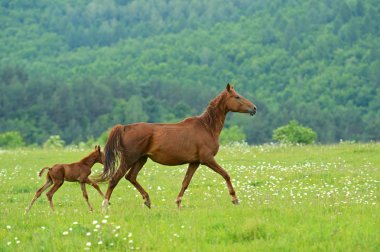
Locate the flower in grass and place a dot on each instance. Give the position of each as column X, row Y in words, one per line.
column 94, row 222
column 75, row 223
column 129, row 234
column 88, row 244
column 43, row 227
column 88, row 233
column 117, row 227
column 9, row 227
column 104, row 221
column 100, row 242
column 65, row 233
column 97, row 226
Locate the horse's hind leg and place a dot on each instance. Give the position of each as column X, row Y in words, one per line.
column 114, row 181
column 49, row 194
column 186, row 181
column 85, row 195
column 132, row 175
column 38, row 193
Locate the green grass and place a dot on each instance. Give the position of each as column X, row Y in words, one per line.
column 293, row 198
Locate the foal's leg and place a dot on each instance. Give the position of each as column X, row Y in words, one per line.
column 217, row 168
column 85, row 195
column 39, row 192
column 132, row 175
column 113, row 182
column 49, row 194
column 186, row 181
column 95, row 185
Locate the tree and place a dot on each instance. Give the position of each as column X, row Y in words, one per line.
column 11, row 139
column 294, row 133
column 231, row 135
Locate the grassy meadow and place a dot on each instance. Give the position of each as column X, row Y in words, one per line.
column 292, row 198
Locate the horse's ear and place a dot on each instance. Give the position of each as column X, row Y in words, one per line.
column 99, row 148
column 228, row 87
column 233, row 85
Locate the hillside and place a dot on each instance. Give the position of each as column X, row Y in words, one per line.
column 75, row 68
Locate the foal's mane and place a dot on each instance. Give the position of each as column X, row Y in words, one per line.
column 90, row 159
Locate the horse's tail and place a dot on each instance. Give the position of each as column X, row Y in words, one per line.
column 112, row 152
column 43, row 170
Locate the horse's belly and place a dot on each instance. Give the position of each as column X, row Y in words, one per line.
column 172, row 157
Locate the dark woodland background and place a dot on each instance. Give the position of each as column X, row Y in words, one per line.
column 75, row 68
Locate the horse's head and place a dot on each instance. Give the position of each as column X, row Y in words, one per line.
column 237, row 103
column 99, row 155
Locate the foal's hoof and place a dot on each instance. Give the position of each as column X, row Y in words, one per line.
column 147, row 203
column 178, row 204
column 235, row 202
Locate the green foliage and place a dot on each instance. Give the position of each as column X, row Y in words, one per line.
column 11, row 139
column 231, row 135
column 54, row 142
column 76, row 68
column 103, row 138
column 294, row 133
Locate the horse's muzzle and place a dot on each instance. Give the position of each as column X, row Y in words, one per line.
column 252, row 111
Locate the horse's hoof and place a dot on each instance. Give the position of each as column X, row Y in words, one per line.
column 105, row 203
column 147, row 203
column 235, row 202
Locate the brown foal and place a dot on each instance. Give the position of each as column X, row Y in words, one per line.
column 194, row 140
column 75, row 172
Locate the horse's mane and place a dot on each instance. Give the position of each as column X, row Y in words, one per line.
column 213, row 116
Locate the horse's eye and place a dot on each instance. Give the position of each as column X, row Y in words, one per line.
column 237, row 97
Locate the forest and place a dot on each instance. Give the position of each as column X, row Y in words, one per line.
column 76, row 68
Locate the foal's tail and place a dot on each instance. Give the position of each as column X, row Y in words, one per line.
column 112, row 152
column 43, row 170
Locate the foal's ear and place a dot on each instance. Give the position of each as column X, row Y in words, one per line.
column 228, row 87
column 99, row 148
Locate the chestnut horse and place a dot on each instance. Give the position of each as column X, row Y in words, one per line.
column 194, row 140
column 70, row 172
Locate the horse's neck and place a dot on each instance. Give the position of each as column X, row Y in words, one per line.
column 213, row 117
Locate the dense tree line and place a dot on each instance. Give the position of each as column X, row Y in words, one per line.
column 75, row 68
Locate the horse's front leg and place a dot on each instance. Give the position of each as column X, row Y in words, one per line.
column 217, row 168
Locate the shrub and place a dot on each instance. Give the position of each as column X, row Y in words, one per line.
column 11, row 139
column 231, row 135
column 54, row 142
column 294, row 133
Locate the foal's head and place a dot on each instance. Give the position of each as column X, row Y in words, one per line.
column 98, row 155
column 237, row 103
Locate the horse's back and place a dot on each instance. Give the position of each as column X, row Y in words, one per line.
column 169, row 144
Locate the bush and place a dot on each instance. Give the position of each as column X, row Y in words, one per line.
column 294, row 133
column 232, row 135
column 11, row 139
column 54, row 142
